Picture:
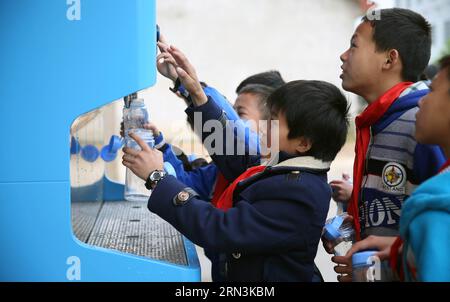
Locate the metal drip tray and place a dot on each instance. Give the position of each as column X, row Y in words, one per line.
column 128, row 227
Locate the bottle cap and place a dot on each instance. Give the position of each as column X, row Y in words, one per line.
column 115, row 143
column 129, row 98
column 360, row 259
column 332, row 229
column 107, row 155
column 89, row 153
column 74, row 146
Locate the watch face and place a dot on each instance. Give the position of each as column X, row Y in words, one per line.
column 155, row 175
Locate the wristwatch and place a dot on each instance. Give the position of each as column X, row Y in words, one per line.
column 154, row 178
column 178, row 87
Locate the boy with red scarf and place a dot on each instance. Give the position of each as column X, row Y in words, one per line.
column 385, row 59
column 421, row 253
column 269, row 220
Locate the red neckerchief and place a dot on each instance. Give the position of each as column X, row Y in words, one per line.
column 445, row 166
column 221, row 185
column 395, row 262
column 226, row 199
column 363, row 123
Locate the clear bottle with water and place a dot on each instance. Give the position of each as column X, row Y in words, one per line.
column 340, row 233
column 135, row 116
column 365, row 267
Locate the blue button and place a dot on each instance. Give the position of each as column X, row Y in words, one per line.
column 74, row 146
column 89, row 153
column 106, row 155
column 115, row 143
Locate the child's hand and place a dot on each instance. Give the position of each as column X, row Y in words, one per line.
column 187, row 75
column 343, row 268
column 164, row 67
column 149, row 126
column 342, row 189
column 143, row 162
column 382, row 244
column 328, row 245
column 153, row 128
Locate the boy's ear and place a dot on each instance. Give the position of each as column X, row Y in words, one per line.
column 303, row 145
column 392, row 59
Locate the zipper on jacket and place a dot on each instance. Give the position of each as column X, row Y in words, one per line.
column 365, row 172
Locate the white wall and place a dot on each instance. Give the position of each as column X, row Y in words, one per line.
column 228, row 40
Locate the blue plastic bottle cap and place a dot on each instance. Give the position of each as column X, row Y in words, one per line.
column 360, row 259
column 74, row 146
column 106, row 155
column 89, row 153
column 332, row 229
column 169, row 169
column 115, row 143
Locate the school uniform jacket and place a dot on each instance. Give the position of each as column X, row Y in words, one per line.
column 272, row 232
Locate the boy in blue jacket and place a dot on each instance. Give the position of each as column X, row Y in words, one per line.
column 204, row 179
column 249, row 107
column 248, row 110
column 207, row 181
column 273, row 215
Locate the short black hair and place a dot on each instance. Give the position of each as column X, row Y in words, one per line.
column 263, row 92
column 429, row 73
column 271, row 78
column 198, row 163
column 445, row 63
column 183, row 158
column 316, row 110
column 409, row 33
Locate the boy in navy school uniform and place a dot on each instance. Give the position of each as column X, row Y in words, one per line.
column 274, row 214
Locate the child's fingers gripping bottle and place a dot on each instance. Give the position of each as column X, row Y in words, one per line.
column 339, row 231
column 135, row 116
column 366, row 267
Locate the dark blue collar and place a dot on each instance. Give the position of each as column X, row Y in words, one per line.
column 398, row 108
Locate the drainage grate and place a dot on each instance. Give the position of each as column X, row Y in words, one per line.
column 128, row 227
column 84, row 214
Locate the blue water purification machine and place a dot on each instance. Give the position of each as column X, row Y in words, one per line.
column 58, row 61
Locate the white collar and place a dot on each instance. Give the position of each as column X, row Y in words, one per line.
column 300, row 162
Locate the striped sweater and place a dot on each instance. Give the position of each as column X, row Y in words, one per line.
column 395, row 165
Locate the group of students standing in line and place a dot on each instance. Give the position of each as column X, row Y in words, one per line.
column 260, row 218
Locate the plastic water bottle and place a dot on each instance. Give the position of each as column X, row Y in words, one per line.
column 365, row 267
column 135, row 116
column 341, row 234
column 340, row 208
